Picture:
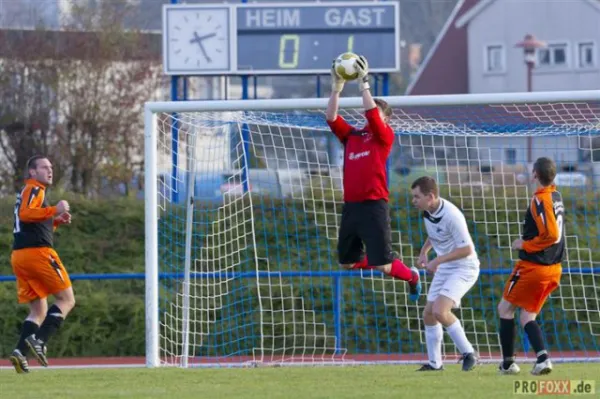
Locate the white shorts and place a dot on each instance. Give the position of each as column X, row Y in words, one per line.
column 453, row 284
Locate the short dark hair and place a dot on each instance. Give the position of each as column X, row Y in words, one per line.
column 426, row 184
column 545, row 168
column 32, row 164
column 385, row 107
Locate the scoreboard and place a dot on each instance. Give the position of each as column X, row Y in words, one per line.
column 272, row 39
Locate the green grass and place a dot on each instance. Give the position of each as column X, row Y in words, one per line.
column 287, row 382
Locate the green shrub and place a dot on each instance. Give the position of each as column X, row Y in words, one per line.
column 107, row 236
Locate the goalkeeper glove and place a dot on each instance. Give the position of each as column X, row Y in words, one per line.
column 362, row 66
column 337, row 83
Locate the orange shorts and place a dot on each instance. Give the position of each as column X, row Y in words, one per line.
column 530, row 285
column 39, row 273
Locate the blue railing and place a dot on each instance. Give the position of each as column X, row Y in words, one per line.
column 335, row 275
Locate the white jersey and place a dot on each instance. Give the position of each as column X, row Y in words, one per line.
column 447, row 230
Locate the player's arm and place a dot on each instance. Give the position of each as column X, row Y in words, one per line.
column 378, row 127
column 336, row 123
column 63, row 218
column 55, row 225
column 422, row 260
column 31, row 210
column 426, row 246
column 548, row 228
column 457, row 254
column 337, row 85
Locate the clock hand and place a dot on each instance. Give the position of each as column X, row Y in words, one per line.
column 198, row 39
column 204, row 52
column 207, row 36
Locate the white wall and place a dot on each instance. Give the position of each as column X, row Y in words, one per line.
column 506, row 22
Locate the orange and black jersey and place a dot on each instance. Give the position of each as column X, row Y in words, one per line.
column 34, row 226
column 543, row 230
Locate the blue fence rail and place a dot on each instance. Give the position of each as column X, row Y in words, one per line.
column 336, row 275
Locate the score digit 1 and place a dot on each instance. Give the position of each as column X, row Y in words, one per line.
column 351, row 43
column 284, row 61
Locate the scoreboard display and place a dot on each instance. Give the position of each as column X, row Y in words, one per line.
column 286, row 38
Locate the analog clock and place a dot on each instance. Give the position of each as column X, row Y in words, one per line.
column 196, row 40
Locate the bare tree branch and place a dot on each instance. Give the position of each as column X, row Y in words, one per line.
column 76, row 95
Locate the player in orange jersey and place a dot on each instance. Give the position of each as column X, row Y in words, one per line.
column 36, row 264
column 538, row 271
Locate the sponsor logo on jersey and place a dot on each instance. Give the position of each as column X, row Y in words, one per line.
column 353, row 156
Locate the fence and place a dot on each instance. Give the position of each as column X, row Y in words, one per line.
column 336, row 277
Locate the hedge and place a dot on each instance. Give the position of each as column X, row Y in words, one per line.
column 104, row 237
column 107, row 236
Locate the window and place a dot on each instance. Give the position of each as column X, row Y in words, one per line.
column 511, row 156
column 587, row 55
column 555, row 55
column 494, row 58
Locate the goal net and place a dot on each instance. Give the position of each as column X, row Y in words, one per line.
column 244, row 202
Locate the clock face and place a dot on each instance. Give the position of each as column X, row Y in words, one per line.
column 197, row 39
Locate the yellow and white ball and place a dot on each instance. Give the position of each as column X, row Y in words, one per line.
column 345, row 66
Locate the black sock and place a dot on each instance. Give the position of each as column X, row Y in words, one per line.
column 28, row 328
column 534, row 333
column 51, row 323
column 507, row 341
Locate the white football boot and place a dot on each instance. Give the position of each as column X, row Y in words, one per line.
column 511, row 370
column 542, row 368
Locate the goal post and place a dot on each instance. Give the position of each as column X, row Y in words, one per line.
column 241, row 264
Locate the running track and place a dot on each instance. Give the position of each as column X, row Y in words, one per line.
column 249, row 361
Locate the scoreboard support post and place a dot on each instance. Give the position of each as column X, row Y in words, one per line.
column 174, row 136
column 318, row 86
column 246, row 132
column 244, row 77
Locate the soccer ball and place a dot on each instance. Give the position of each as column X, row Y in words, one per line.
column 344, row 66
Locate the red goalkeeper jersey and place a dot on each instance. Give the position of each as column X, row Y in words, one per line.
column 365, row 155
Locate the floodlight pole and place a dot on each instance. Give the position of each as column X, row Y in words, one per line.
column 530, row 44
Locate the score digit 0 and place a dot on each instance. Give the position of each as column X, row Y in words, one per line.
column 284, row 61
column 283, row 41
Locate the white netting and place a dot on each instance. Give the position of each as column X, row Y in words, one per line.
column 261, row 233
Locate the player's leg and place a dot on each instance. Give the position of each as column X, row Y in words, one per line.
column 453, row 288
column 443, row 314
column 546, row 281
column 375, row 231
column 434, row 333
column 37, row 309
column 543, row 365
column 506, row 311
column 18, row 357
column 54, row 280
column 508, row 333
column 64, row 303
column 349, row 246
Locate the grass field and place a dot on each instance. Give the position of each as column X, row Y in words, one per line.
column 287, row 382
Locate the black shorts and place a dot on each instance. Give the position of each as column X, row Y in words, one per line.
column 369, row 223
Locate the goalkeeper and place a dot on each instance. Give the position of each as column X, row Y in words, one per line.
column 365, row 215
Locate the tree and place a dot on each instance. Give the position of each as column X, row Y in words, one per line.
column 27, row 104
column 77, row 95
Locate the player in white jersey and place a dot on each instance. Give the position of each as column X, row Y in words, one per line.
column 455, row 268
